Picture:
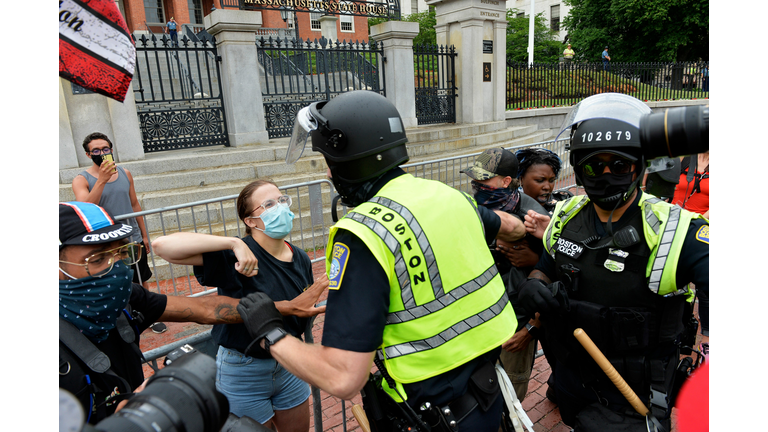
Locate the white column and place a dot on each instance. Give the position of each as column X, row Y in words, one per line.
column 328, row 28
column 243, row 104
column 397, row 40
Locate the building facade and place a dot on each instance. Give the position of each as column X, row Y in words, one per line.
column 151, row 16
column 554, row 11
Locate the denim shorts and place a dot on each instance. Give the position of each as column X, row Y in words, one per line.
column 257, row 387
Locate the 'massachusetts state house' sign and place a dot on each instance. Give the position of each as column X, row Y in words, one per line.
column 389, row 8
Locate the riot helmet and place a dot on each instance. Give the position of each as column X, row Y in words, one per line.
column 361, row 136
column 607, row 123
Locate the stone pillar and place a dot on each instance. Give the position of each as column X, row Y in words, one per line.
column 469, row 25
column 240, row 77
column 397, row 40
column 328, row 28
column 92, row 112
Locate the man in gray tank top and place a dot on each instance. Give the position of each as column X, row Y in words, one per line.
column 111, row 187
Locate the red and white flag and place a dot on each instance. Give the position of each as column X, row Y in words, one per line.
column 95, row 47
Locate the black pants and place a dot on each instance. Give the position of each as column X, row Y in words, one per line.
column 479, row 421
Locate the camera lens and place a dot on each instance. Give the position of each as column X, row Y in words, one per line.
column 180, row 397
column 675, row 132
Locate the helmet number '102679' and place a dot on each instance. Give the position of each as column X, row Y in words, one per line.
column 608, row 135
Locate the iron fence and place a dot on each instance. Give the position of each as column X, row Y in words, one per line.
column 562, row 84
column 435, row 79
column 178, row 93
column 300, row 72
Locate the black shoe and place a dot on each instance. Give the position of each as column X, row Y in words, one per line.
column 158, row 327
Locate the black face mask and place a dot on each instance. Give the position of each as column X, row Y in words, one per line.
column 97, row 159
column 609, row 191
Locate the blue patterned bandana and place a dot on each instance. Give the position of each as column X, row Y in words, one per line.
column 492, row 198
column 93, row 304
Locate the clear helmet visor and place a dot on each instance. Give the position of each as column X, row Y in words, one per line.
column 302, row 127
column 615, row 106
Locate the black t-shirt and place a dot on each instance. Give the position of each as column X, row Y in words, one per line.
column 279, row 280
column 146, row 307
column 356, row 313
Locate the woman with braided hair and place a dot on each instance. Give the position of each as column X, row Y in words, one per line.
column 538, row 171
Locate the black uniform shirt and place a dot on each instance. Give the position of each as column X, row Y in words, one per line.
column 692, row 265
column 356, row 312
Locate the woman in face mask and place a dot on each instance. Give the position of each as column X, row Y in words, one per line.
column 256, row 386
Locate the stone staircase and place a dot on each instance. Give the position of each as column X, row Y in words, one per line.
column 180, row 177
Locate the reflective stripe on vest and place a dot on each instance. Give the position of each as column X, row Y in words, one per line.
column 658, row 266
column 449, row 333
column 444, row 287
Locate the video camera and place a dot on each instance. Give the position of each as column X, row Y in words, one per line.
column 180, row 397
column 664, row 136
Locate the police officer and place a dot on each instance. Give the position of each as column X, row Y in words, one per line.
column 618, row 263
column 412, row 280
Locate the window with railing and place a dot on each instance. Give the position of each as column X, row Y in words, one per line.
column 554, row 17
column 195, row 11
column 153, row 10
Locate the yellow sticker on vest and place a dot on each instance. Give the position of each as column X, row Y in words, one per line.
column 702, row 234
column 338, row 265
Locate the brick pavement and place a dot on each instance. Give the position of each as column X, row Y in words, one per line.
column 542, row 412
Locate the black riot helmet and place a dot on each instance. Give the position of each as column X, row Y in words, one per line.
column 361, row 136
column 606, row 123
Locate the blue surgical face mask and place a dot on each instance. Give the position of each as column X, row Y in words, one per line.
column 278, row 221
column 93, row 304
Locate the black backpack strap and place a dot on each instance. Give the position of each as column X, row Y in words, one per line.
column 84, row 349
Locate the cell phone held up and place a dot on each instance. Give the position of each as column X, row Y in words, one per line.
column 109, row 158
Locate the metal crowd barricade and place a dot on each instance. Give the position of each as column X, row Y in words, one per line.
column 447, row 170
column 313, row 221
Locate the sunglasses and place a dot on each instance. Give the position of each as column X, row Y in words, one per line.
column 594, row 168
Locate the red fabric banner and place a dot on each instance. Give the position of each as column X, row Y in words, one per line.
column 96, row 50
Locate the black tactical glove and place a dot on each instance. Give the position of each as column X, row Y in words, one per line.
column 260, row 316
column 536, row 296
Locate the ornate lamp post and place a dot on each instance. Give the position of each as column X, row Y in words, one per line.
column 284, row 15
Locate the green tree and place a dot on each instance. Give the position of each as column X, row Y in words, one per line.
column 639, row 30
column 546, row 47
column 426, row 20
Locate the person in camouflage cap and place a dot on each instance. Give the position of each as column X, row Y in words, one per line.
column 492, row 163
column 495, row 186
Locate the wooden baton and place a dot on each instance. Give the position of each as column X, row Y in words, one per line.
column 361, row 418
column 609, row 370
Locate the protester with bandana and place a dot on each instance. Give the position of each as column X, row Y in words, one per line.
column 262, row 261
column 495, row 186
column 102, row 312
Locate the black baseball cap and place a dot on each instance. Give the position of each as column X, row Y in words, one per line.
column 82, row 223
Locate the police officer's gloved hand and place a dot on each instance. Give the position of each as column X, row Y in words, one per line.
column 536, row 296
column 260, row 316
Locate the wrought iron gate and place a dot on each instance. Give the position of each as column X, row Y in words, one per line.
column 435, row 78
column 298, row 74
column 178, row 93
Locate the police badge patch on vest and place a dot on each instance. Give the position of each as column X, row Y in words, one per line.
column 338, row 265
column 568, row 248
column 702, row 234
column 615, row 261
